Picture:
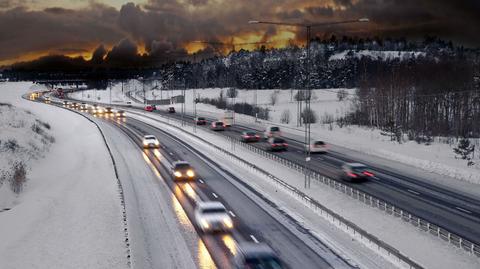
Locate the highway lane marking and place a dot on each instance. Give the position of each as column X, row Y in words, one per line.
column 231, row 213
column 201, row 181
column 463, row 210
column 253, row 238
column 215, row 195
column 414, row 192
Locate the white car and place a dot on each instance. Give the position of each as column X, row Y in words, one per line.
column 272, row 131
column 318, row 147
column 212, row 216
column 150, row 141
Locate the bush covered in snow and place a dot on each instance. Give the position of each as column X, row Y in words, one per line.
column 23, row 138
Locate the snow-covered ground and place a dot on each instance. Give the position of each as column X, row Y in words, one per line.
column 437, row 158
column 69, row 212
column 384, row 55
column 430, row 252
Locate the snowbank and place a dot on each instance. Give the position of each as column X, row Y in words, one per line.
column 69, row 214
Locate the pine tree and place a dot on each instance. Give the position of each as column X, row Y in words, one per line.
column 464, row 149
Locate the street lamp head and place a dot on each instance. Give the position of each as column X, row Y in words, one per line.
column 364, row 20
column 253, row 22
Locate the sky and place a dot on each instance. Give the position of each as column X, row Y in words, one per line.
column 33, row 28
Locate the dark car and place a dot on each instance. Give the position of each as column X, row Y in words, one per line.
column 149, row 108
column 154, row 107
column 250, row 136
column 200, row 121
column 183, row 170
column 108, row 110
column 253, row 255
column 277, row 144
column 120, row 114
column 356, row 172
column 171, row 109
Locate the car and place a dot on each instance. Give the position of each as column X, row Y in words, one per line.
column 272, row 131
column 255, row 255
column 129, row 104
column 75, row 105
column 183, row 170
column 83, row 106
column 356, row 172
column 318, row 147
column 120, row 114
column 65, row 103
column 150, row 141
column 171, row 109
column 154, row 107
column 149, row 108
column 108, row 110
column 217, row 126
column 98, row 110
column 200, row 121
column 277, row 144
column 212, row 216
column 250, row 136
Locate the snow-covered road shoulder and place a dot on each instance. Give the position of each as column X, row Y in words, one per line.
column 69, row 214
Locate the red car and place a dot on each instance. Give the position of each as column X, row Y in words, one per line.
column 149, row 108
column 250, row 136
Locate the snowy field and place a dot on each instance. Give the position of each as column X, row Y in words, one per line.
column 68, row 214
column 437, row 158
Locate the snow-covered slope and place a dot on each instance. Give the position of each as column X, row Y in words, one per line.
column 69, row 214
column 373, row 54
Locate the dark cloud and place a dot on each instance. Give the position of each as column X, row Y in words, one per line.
column 99, row 54
column 163, row 26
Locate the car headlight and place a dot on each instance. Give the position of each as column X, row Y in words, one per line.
column 145, row 143
column 190, row 173
column 205, row 224
column 228, row 223
column 177, row 174
column 157, row 143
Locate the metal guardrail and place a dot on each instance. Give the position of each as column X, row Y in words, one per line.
column 373, row 201
column 314, row 204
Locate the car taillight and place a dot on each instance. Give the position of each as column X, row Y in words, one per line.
column 351, row 174
column 285, row 144
column 368, row 174
column 257, row 136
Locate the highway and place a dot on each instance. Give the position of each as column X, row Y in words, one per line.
column 254, row 221
column 456, row 212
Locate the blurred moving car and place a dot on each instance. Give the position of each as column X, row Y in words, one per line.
column 318, row 147
column 98, row 110
column 150, row 141
column 200, row 121
column 183, row 170
column 171, row 109
column 277, row 144
column 108, row 110
column 250, row 136
column 217, row 126
column 83, row 106
column 65, row 103
column 120, row 114
column 356, row 172
column 253, row 255
column 212, row 216
column 272, row 131
column 148, row 108
column 154, row 107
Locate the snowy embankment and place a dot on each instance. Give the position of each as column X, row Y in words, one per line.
column 408, row 239
column 69, row 212
column 372, row 54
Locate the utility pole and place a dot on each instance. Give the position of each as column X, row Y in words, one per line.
column 307, row 117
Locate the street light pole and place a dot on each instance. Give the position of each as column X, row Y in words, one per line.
column 307, row 115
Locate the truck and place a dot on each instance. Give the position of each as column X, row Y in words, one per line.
column 228, row 118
